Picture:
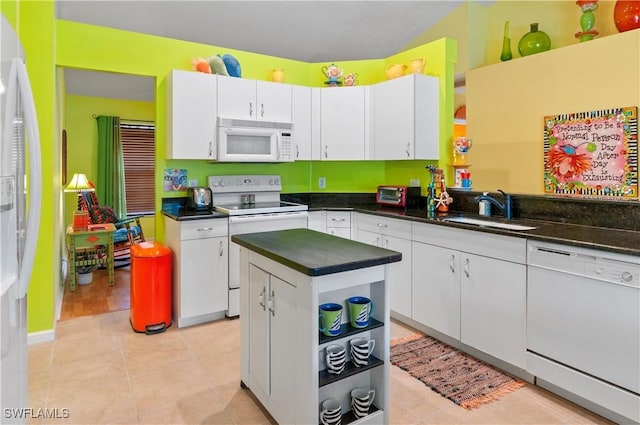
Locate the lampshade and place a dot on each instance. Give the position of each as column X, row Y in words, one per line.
column 78, row 183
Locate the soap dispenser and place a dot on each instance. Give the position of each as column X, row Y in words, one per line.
column 484, row 207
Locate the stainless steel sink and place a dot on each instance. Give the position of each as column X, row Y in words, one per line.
column 488, row 223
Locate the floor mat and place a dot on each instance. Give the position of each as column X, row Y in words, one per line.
column 466, row 381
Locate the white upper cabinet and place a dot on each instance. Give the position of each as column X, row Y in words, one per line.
column 301, row 116
column 343, row 123
column 191, row 115
column 406, row 118
column 254, row 100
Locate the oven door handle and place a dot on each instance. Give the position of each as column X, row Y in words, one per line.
column 267, row 217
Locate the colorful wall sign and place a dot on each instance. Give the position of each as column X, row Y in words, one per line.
column 592, row 154
column 175, row 179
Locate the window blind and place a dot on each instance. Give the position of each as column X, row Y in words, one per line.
column 138, row 150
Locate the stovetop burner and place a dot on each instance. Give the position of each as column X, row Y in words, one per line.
column 230, row 194
column 260, row 208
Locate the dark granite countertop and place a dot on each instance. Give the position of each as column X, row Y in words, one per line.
column 602, row 238
column 618, row 240
column 315, row 253
column 181, row 214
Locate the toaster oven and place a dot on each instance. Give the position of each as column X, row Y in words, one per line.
column 398, row 196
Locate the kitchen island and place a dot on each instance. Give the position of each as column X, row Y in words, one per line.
column 284, row 276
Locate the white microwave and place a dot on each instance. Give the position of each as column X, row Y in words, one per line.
column 254, row 141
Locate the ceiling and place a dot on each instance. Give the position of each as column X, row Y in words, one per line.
column 304, row 30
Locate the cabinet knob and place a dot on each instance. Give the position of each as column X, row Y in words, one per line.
column 466, row 267
column 250, row 109
column 408, row 150
column 452, row 264
column 325, row 151
column 262, row 109
column 221, row 250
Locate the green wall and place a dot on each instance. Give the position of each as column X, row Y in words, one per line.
column 51, row 43
column 82, row 140
column 35, row 25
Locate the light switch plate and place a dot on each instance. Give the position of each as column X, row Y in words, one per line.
column 322, row 183
column 193, row 182
column 414, row 182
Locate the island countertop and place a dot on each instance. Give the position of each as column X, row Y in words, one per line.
column 315, row 253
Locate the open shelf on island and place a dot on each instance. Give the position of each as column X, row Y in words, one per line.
column 346, row 330
column 326, row 378
column 349, row 417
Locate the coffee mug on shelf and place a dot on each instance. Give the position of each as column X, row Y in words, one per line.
column 466, row 183
column 361, row 349
column 330, row 319
column 361, row 399
column 336, row 359
column 331, row 413
column 359, row 311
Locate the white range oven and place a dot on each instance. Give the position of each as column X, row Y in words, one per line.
column 253, row 204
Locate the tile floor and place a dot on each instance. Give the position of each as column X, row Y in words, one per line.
column 104, row 373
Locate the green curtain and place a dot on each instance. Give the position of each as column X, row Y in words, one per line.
column 110, row 182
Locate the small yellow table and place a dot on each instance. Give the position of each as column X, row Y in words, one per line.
column 93, row 246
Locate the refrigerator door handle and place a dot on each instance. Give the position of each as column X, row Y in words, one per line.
column 35, row 179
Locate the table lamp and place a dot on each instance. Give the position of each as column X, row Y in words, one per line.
column 78, row 184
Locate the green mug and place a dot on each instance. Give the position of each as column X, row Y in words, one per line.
column 359, row 311
column 330, row 319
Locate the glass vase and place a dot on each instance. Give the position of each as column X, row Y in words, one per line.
column 506, row 55
column 534, row 41
column 626, row 15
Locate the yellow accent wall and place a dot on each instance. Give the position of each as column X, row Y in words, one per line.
column 507, row 102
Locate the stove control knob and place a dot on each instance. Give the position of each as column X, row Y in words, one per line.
column 627, row 277
column 276, row 182
column 221, row 183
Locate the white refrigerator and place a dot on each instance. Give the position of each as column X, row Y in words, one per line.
column 20, row 195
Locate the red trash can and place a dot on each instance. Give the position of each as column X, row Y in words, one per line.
column 150, row 287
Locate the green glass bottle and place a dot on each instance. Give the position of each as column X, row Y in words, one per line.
column 506, row 55
column 534, row 42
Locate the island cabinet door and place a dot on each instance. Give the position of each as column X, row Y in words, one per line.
column 258, row 328
column 272, row 355
column 281, row 306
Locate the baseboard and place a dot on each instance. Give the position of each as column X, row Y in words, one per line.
column 42, row 336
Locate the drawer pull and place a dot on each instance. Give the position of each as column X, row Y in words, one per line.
column 205, row 229
column 382, row 225
column 338, row 219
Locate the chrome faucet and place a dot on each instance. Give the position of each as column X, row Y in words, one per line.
column 505, row 208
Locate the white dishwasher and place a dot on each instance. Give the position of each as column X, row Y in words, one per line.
column 583, row 325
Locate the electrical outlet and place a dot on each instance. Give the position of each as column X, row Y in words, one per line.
column 414, row 182
column 193, row 182
column 322, row 183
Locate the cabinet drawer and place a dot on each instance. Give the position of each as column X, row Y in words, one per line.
column 506, row 248
column 338, row 218
column 385, row 226
column 199, row 229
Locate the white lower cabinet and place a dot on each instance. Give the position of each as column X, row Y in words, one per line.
column 436, row 288
column 471, row 286
column 392, row 234
column 200, row 269
column 339, row 223
column 317, row 220
column 493, row 307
